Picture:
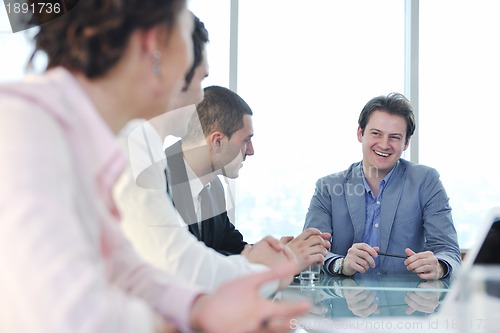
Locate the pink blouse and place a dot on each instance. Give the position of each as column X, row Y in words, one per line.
column 64, row 264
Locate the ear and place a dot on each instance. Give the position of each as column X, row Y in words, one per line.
column 360, row 134
column 215, row 141
column 407, row 144
column 148, row 41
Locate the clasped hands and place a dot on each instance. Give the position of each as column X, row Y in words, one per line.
column 285, row 257
column 425, row 264
column 308, row 248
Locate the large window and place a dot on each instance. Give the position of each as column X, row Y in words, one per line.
column 459, row 109
column 215, row 15
column 307, row 72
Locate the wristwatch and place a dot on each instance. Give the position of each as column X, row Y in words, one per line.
column 337, row 266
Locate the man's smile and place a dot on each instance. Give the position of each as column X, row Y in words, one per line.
column 381, row 154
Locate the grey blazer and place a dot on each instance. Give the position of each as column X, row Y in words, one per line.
column 415, row 213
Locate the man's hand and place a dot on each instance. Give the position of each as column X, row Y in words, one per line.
column 271, row 253
column 359, row 258
column 237, row 307
column 310, row 247
column 424, row 301
column 264, row 252
column 425, row 264
column 361, row 302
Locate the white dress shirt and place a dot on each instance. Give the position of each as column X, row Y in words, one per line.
column 64, row 264
column 196, row 186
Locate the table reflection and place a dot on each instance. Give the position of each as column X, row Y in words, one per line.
column 370, row 295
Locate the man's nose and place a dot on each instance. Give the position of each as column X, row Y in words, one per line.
column 249, row 151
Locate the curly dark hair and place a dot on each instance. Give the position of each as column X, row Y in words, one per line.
column 91, row 36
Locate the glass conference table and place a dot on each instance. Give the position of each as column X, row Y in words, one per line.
column 345, row 303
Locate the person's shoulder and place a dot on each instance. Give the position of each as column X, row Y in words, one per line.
column 22, row 102
column 341, row 176
column 417, row 169
column 20, row 95
column 47, row 93
column 414, row 166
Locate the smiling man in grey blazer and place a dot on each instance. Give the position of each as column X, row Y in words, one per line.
column 385, row 214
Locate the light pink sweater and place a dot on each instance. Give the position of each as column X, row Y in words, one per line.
column 64, row 264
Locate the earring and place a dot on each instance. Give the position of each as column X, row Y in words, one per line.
column 156, row 63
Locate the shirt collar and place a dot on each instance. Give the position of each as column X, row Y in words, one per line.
column 384, row 181
column 194, row 181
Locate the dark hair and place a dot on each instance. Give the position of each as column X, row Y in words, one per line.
column 395, row 104
column 221, row 110
column 92, row 36
column 200, row 38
